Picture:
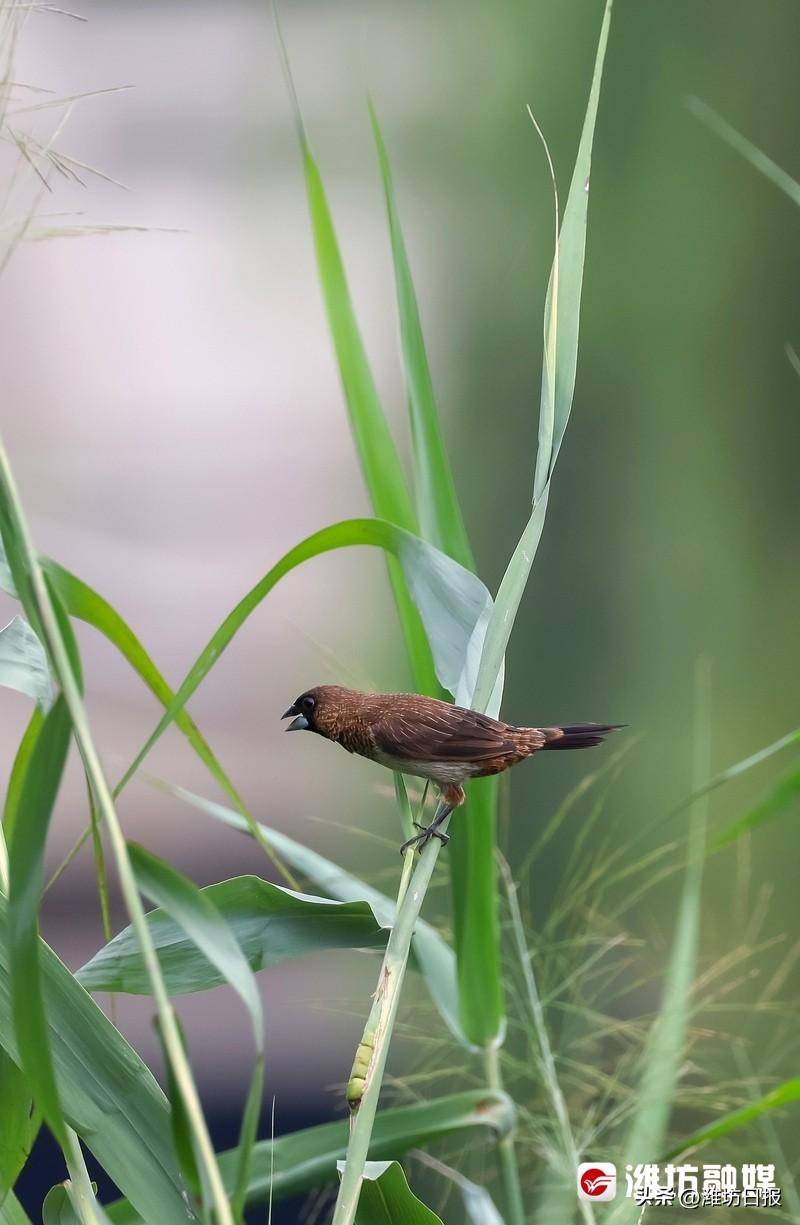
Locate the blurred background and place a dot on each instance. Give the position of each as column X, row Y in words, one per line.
column 175, row 420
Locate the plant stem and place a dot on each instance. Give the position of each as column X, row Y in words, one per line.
column 506, row 1152
column 79, row 1189
column 105, row 804
column 380, row 1023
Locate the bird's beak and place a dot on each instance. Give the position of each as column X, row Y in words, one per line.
column 298, row 724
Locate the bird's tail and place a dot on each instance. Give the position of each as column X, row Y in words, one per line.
column 577, row 735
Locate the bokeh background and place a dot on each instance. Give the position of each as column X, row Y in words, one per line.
column 175, row 420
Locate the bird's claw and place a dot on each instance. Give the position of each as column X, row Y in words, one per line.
column 421, row 840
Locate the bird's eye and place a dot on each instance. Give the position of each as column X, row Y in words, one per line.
column 307, row 703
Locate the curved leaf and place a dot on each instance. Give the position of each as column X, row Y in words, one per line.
column 450, row 599
column 266, row 923
column 433, row 956
column 57, row 1207
column 81, row 601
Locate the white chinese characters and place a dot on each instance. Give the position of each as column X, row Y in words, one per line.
column 710, row 1184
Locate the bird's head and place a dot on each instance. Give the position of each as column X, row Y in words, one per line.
column 317, row 710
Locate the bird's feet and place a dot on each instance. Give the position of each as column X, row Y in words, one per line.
column 421, row 840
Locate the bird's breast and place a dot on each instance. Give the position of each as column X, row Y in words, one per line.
column 444, row 772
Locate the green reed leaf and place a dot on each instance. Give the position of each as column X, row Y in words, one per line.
column 296, row 1163
column 380, row 463
column 264, row 922
column 81, row 601
column 432, row 955
column 440, row 518
column 451, row 601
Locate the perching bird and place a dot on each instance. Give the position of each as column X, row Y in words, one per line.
column 430, row 739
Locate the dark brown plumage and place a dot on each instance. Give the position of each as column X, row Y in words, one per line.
column 430, row 739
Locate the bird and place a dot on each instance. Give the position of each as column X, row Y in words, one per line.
column 430, row 739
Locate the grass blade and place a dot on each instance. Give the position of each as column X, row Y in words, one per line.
column 247, row 1138
column 81, row 601
column 785, row 1094
column 440, row 517
column 777, row 801
column 380, row 463
column 476, row 931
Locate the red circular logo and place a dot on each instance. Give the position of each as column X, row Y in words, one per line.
column 594, row 1181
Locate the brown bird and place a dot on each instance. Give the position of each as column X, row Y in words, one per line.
column 430, row 739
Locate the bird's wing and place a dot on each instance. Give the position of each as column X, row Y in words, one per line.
column 432, row 732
